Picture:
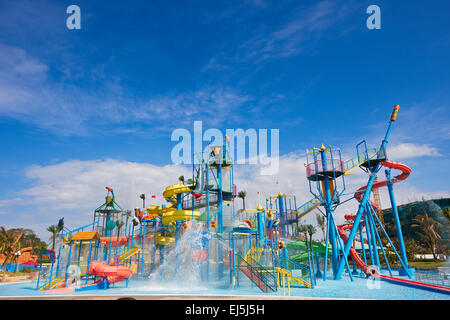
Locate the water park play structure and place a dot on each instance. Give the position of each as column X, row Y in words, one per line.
column 199, row 235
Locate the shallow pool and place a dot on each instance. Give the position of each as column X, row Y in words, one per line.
column 358, row 289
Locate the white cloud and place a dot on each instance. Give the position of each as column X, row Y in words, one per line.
column 74, row 189
column 295, row 32
column 28, row 94
column 411, row 150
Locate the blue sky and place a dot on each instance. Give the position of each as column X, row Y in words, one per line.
column 108, row 96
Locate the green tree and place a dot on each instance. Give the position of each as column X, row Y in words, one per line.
column 304, row 230
column 242, row 194
column 446, row 213
column 128, row 214
column 411, row 248
column 311, row 231
column 9, row 242
column 181, row 179
column 119, row 225
column 321, row 223
column 54, row 230
column 427, row 228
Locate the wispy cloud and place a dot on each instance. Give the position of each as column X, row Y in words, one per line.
column 411, row 150
column 74, row 188
column 296, row 32
column 28, row 94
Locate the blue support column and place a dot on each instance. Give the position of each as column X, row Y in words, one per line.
column 89, row 260
column 398, row 227
column 364, row 200
column 282, row 214
column 329, row 211
column 260, row 226
column 68, row 263
column 177, row 242
column 220, row 222
column 39, row 275
column 318, row 273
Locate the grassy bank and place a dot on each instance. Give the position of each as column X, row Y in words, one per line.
column 427, row 264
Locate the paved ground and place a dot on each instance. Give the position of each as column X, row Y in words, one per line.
column 161, row 297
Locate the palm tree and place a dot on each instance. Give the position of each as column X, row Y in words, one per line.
column 427, row 228
column 242, row 194
column 181, row 179
column 142, row 196
column 60, row 224
column 321, row 223
column 53, row 229
column 119, row 225
column 128, row 215
column 303, row 228
column 311, row 230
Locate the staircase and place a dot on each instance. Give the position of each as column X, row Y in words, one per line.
column 307, row 207
column 54, row 283
column 288, row 265
column 128, row 254
column 260, row 276
column 288, row 274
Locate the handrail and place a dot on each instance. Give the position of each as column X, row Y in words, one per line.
column 76, row 230
column 259, row 271
column 285, row 261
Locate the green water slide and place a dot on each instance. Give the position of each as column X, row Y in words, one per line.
column 299, row 245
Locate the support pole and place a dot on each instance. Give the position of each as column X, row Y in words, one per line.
column 366, row 195
column 398, row 227
column 329, row 210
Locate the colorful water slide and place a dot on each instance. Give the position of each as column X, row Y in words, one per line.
column 171, row 192
column 299, row 245
column 113, row 273
column 170, row 215
column 416, row 284
column 405, row 172
column 113, row 240
column 109, row 274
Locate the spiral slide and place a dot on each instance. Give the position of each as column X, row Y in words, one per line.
column 170, row 215
column 369, row 271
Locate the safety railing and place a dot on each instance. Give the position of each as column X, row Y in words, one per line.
column 291, row 265
column 371, row 155
column 320, row 167
column 433, row 277
column 307, row 207
column 262, row 277
column 200, row 203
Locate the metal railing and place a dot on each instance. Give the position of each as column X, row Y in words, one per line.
column 262, row 277
column 436, row 277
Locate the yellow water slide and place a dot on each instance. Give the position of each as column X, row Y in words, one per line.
column 169, row 215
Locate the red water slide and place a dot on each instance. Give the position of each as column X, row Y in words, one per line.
column 405, row 172
column 113, row 273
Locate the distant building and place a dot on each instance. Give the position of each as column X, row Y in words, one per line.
column 430, row 256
